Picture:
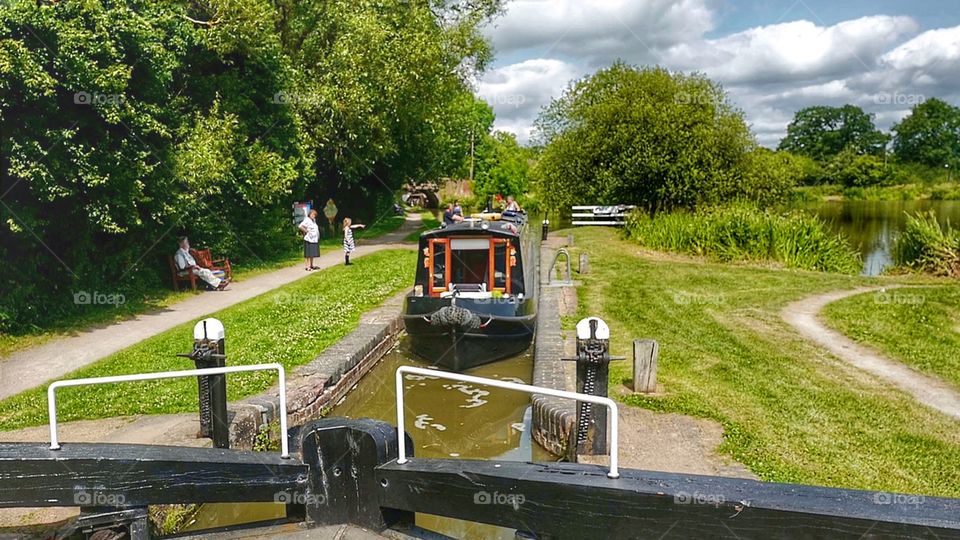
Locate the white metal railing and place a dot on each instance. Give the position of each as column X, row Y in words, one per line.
column 52, row 398
column 609, row 403
column 600, row 215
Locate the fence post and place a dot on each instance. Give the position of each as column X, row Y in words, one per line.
column 584, row 264
column 645, row 355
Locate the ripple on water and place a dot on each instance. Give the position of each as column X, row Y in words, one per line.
column 425, row 421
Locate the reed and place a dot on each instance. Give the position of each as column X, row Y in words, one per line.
column 744, row 233
column 926, row 246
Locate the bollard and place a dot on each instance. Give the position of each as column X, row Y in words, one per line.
column 545, row 230
column 593, row 368
column 209, row 352
column 584, row 264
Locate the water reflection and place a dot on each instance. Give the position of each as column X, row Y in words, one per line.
column 872, row 226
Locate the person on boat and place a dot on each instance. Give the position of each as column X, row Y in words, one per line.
column 311, row 240
column 450, row 217
column 348, row 243
column 186, row 263
column 457, row 209
column 512, row 208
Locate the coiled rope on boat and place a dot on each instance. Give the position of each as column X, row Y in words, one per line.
column 455, row 316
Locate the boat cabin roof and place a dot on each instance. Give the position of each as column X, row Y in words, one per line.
column 479, row 227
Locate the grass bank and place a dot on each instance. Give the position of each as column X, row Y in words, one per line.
column 919, row 327
column 290, row 325
column 790, row 412
column 163, row 296
column 429, row 221
column 742, row 233
column 942, row 191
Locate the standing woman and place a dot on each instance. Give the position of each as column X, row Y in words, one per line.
column 348, row 244
column 311, row 240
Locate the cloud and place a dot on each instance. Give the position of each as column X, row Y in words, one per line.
column 518, row 91
column 879, row 62
column 599, row 31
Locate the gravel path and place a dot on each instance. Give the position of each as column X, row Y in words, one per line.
column 932, row 392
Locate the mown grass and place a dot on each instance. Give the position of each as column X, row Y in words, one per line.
column 790, row 412
column 743, row 233
column 163, row 296
column 927, row 246
column 290, row 325
column 917, row 326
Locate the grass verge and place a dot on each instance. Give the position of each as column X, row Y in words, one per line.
column 290, row 325
column 790, row 412
column 430, row 222
column 919, row 327
column 743, row 233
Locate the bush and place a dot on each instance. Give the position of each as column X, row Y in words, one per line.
column 734, row 233
column 926, row 246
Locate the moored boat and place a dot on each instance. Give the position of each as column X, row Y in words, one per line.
column 474, row 297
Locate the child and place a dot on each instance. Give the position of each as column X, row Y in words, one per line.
column 348, row 243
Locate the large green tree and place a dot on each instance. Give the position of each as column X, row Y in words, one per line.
column 822, row 132
column 503, row 166
column 930, row 135
column 643, row 136
column 125, row 123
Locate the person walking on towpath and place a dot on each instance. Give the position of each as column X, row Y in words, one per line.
column 349, row 245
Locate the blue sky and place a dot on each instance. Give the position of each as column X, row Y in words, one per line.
column 772, row 57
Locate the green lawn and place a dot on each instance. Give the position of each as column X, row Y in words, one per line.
column 163, row 296
column 290, row 325
column 917, row 326
column 791, row 413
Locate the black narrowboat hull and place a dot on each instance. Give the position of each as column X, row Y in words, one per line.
column 455, row 349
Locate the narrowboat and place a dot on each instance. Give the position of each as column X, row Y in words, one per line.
column 474, row 297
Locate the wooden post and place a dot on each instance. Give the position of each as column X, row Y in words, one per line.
column 645, row 355
column 569, row 240
column 584, row 263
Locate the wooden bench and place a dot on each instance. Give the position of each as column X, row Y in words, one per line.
column 204, row 260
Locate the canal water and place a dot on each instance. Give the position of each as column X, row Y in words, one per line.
column 445, row 419
column 872, row 226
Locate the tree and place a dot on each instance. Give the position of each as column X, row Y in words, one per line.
column 643, row 136
column 503, row 166
column 930, row 135
column 822, row 132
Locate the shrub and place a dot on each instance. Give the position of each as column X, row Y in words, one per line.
column 926, row 246
column 732, row 233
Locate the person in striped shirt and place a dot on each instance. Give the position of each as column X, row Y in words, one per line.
column 348, row 243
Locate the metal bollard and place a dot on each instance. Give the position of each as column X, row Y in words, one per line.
column 545, row 230
column 209, row 352
column 593, row 369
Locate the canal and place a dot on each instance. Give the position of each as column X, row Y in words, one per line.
column 872, row 226
column 445, row 419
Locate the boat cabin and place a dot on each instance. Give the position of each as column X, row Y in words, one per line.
column 473, row 259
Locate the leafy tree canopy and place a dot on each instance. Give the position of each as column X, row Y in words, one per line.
column 929, row 135
column 822, row 132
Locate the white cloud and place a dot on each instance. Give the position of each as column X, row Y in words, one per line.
column 878, row 62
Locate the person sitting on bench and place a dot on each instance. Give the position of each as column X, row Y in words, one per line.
column 186, row 263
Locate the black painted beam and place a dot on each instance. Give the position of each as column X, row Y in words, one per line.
column 126, row 475
column 579, row 501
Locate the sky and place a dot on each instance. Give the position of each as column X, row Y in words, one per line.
column 772, row 57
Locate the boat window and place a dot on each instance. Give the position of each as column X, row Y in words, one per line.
column 500, row 276
column 471, row 265
column 439, row 265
